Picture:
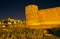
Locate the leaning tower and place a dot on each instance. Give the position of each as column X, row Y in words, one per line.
column 31, row 12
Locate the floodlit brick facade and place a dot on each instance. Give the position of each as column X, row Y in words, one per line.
column 44, row 16
column 50, row 16
column 31, row 13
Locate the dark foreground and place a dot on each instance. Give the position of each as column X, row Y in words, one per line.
column 14, row 32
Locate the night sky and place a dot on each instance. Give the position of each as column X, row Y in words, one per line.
column 15, row 8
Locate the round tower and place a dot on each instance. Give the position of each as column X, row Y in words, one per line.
column 31, row 13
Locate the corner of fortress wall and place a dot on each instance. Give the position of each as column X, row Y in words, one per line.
column 45, row 16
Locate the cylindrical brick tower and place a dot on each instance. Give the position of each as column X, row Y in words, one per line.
column 31, row 13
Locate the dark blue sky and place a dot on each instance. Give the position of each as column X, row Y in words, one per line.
column 15, row 8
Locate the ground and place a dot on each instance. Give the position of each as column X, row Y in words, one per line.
column 24, row 32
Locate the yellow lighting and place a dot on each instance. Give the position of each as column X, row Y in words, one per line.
column 52, row 14
column 44, row 16
column 32, row 17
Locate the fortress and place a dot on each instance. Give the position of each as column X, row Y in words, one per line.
column 49, row 16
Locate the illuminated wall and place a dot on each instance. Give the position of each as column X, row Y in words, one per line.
column 50, row 16
column 31, row 12
column 44, row 16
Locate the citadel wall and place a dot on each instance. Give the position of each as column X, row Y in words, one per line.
column 45, row 16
